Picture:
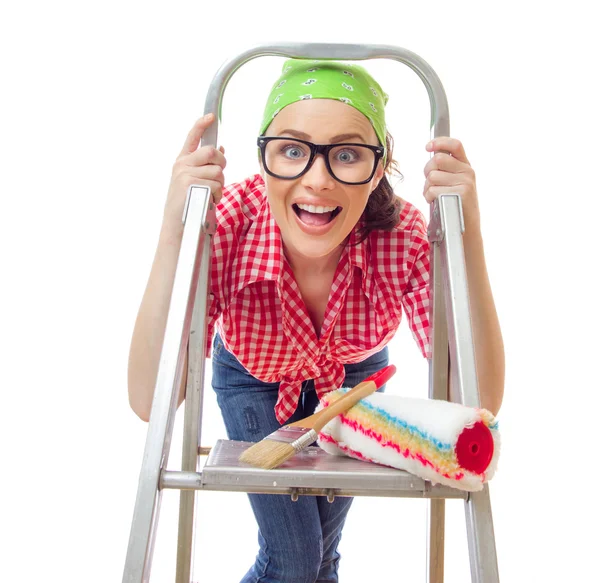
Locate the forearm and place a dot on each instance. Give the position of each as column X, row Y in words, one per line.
column 151, row 321
column 487, row 336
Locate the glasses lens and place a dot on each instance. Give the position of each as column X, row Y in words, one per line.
column 351, row 163
column 288, row 158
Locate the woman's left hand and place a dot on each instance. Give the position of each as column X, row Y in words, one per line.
column 449, row 171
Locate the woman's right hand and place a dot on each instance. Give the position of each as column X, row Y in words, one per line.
column 195, row 166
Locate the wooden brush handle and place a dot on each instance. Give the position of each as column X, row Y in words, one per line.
column 353, row 396
column 346, row 402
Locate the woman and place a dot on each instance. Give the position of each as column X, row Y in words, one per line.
column 314, row 261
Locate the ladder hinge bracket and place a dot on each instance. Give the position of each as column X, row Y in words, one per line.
column 210, row 223
column 435, row 230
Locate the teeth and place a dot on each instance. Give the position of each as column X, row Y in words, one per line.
column 316, row 209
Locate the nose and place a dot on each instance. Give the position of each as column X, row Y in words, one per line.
column 317, row 177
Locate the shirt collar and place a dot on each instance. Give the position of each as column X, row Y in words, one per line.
column 259, row 256
column 358, row 253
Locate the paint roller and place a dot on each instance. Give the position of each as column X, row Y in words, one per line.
column 437, row 440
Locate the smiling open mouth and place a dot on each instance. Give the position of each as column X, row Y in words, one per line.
column 316, row 215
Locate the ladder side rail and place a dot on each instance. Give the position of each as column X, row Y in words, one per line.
column 164, row 404
column 439, row 361
column 192, row 430
column 436, row 522
column 464, row 387
column 481, row 538
column 438, row 389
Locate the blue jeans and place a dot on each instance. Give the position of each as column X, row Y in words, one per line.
column 297, row 540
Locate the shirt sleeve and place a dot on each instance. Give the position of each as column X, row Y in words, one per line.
column 416, row 300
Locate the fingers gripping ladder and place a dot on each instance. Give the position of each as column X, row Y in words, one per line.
column 451, row 337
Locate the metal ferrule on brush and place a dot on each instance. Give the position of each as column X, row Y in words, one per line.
column 297, row 437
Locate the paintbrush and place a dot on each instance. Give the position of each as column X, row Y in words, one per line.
column 287, row 441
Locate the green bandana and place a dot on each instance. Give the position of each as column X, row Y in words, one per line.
column 316, row 79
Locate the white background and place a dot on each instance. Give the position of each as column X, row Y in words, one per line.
column 97, row 99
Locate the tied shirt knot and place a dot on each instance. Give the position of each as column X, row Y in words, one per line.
column 327, row 375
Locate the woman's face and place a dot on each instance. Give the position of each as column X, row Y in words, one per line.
column 321, row 121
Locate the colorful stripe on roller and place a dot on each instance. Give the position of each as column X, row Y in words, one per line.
column 439, row 441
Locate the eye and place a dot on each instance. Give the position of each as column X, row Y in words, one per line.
column 293, row 152
column 347, row 156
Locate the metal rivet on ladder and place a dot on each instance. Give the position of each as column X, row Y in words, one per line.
column 294, row 494
column 330, row 496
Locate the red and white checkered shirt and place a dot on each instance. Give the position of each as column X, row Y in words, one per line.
column 260, row 314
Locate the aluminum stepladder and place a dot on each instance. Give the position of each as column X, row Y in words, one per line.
column 312, row 472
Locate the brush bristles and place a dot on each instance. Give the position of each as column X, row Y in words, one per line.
column 268, row 454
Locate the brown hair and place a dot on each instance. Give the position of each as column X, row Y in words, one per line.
column 383, row 207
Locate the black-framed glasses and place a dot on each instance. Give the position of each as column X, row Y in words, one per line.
column 348, row 163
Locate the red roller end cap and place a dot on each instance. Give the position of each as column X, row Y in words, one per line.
column 382, row 376
column 475, row 448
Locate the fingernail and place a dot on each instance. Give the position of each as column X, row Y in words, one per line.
column 207, row 116
column 429, row 146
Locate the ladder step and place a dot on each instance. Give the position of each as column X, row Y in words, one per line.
column 311, row 472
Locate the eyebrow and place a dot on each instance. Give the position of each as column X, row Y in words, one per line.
column 338, row 138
